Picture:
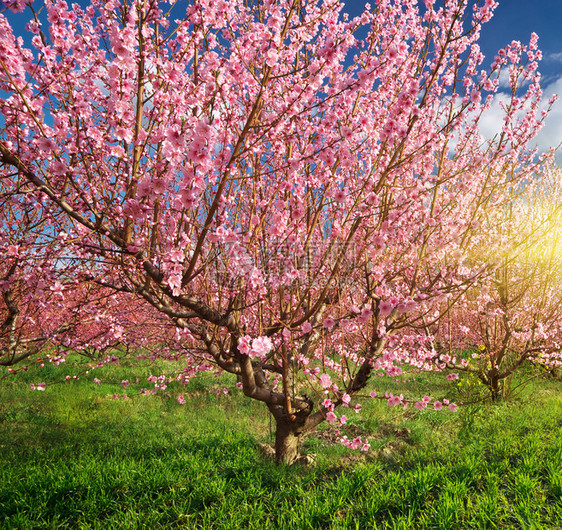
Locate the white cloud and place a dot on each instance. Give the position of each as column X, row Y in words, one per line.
column 503, row 80
column 549, row 136
column 491, row 122
column 555, row 57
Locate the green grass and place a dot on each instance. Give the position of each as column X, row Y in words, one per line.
column 73, row 457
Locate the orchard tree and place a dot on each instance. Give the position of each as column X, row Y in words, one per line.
column 512, row 317
column 30, row 287
column 291, row 187
column 47, row 303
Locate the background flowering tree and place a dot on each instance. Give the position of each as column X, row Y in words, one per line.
column 49, row 303
column 513, row 316
column 30, row 286
column 293, row 189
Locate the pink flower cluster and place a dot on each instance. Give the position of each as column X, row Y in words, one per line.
column 17, row 6
column 356, row 443
column 255, row 348
column 437, row 405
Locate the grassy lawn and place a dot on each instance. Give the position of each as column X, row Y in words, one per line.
column 75, row 457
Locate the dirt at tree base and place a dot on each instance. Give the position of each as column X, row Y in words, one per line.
column 398, row 439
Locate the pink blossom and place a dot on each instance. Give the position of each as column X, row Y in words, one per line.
column 385, row 308
column 340, row 196
column 331, row 417
column 271, row 57
column 437, row 405
column 365, row 316
column 345, row 399
column 97, row 381
column 453, row 407
column 329, row 323
column 306, row 327
column 452, row 377
column 244, row 344
column 343, row 420
column 188, row 199
column 121, row 50
column 175, row 138
column 124, row 134
column 261, row 346
column 475, row 97
column 325, row 380
column 181, row 400
column 17, row 6
column 58, row 168
column 46, row 144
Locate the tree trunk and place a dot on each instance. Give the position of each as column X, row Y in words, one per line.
column 291, row 424
column 287, row 441
column 495, row 387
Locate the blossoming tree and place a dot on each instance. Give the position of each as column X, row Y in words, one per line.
column 291, row 187
column 513, row 316
column 46, row 304
column 29, row 278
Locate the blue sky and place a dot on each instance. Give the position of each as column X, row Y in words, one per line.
column 517, row 19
